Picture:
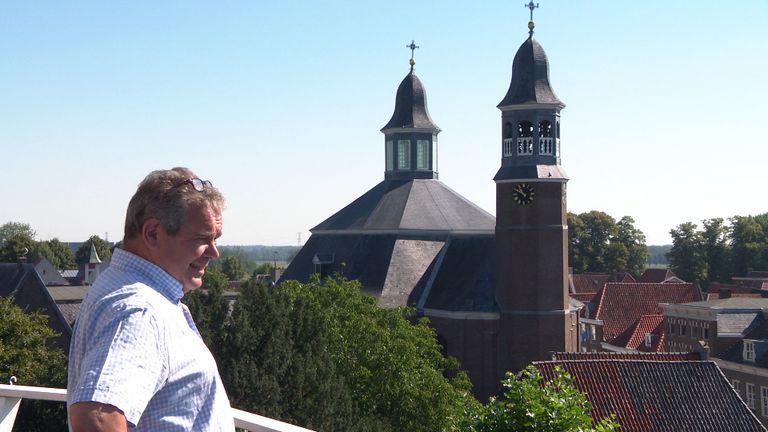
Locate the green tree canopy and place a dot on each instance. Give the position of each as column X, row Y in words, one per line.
column 598, row 243
column 9, row 229
column 233, row 268
column 84, row 252
column 687, row 257
column 18, row 245
column 325, row 356
column 26, row 354
column 531, row 405
column 61, row 255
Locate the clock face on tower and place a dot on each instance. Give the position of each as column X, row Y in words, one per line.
column 523, row 193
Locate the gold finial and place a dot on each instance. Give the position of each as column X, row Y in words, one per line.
column 412, row 47
column 531, row 25
column 531, row 5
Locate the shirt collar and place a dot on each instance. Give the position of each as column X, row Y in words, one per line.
column 159, row 279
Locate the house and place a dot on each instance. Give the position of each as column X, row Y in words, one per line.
column 734, row 333
column 625, row 311
column 655, row 393
column 494, row 289
column 658, row 275
column 49, row 274
column 21, row 282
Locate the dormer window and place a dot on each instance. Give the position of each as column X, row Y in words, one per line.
column 749, row 351
column 648, row 340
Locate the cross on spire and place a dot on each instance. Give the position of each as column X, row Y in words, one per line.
column 531, row 5
column 413, row 47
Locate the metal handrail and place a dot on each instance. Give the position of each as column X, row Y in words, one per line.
column 11, row 395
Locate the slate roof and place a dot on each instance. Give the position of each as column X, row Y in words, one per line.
column 620, row 305
column 735, row 352
column 22, row 283
column 411, row 106
column 530, row 77
column 651, row 396
column 463, row 280
column 738, row 323
column 398, row 205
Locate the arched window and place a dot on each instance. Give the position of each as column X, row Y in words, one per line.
column 525, row 129
column 508, row 130
column 545, row 129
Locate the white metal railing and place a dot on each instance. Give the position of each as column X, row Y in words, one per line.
column 508, row 146
column 546, row 145
column 11, row 396
column 525, row 146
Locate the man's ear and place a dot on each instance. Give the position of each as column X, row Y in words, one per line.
column 150, row 233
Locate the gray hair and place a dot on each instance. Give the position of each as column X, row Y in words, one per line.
column 163, row 195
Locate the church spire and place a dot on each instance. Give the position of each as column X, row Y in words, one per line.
column 411, row 135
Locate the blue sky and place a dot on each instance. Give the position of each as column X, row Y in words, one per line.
column 280, row 104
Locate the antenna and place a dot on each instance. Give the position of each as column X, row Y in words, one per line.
column 299, row 238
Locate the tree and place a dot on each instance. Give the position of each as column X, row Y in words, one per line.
column 530, row 404
column 325, row 356
column 715, row 242
column 210, row 310
column 9, row 229
column 634, row 241
column 26, row 354
column 83, row 253
column 18, row 245
column 597, row 243
column 233, row 268
column 61, row 255
column 749, row 243
column 686, row 258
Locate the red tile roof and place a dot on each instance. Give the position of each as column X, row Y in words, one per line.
column 634, row 336
column 584, row 297
column 591, row 282
column 655, row 275
column 652, row 396
column 607, row 355
column 620, row 305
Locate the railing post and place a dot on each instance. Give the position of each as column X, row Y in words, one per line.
column 9, row 407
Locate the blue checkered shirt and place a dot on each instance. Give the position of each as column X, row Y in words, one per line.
column 135, row 346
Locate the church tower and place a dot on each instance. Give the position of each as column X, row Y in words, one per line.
column 531, row 217
column 410, row 136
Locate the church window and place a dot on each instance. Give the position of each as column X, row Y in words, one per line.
column 525, row 138
column 508, row 140
column 546, row 142
column 545, row 129
column 403, row 154
column 389, row 147
column 422, row 154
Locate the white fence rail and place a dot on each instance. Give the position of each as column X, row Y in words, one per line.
column 11, row 396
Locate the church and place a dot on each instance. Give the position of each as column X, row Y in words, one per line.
column 494, row 289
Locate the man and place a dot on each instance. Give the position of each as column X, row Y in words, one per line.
column 136, row 359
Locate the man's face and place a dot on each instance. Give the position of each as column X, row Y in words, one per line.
column 186, row 254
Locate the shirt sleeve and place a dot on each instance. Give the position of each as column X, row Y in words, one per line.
column 125, row 360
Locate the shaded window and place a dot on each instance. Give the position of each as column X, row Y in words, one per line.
column 545, row 129
column 389, row 150
column 508, row 130
column 525, row 129
column 403, row 154
column 422, row 154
